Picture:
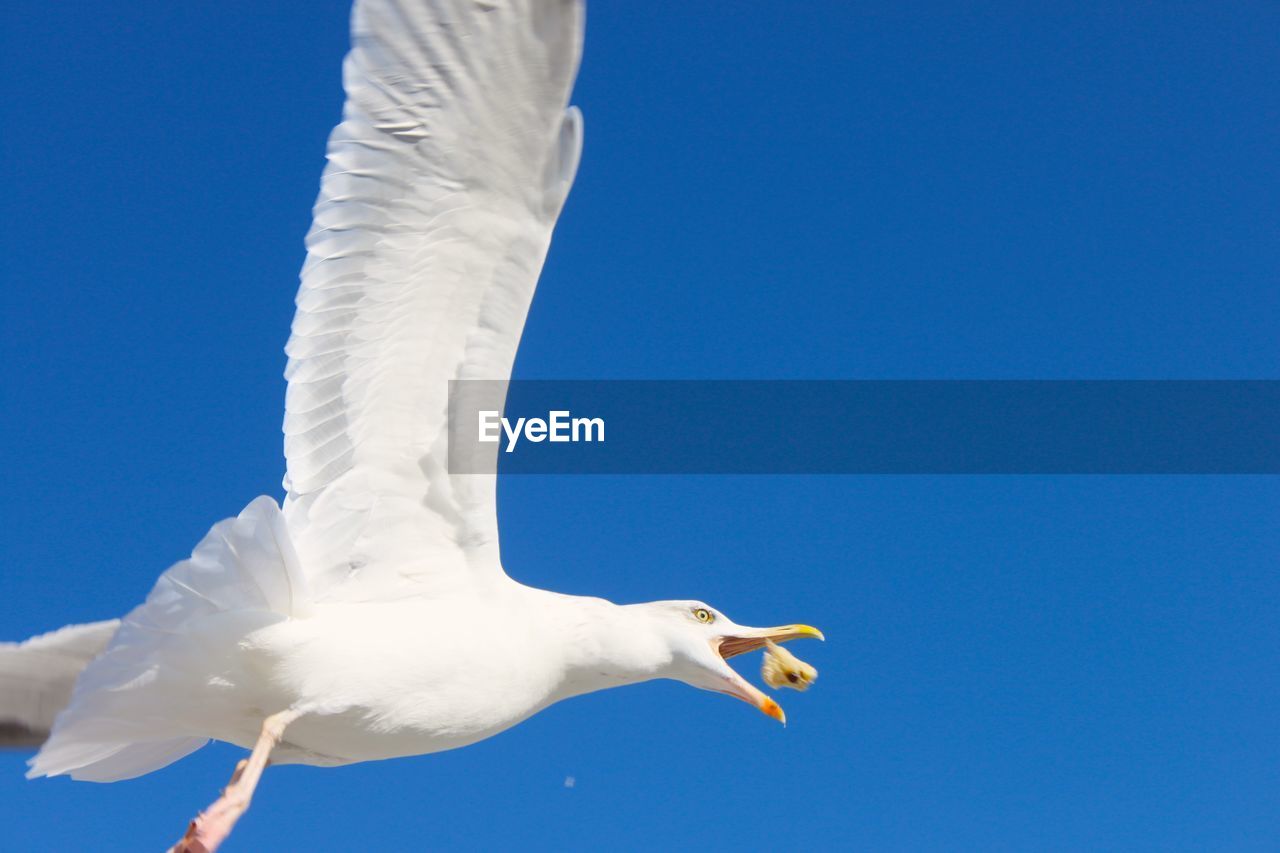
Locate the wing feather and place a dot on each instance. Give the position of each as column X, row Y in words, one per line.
column 445, row 178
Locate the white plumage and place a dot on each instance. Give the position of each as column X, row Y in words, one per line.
column 370, row 617
column 455, row 154
column 37, row 676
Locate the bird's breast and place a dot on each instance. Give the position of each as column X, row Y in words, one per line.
column 380, row 681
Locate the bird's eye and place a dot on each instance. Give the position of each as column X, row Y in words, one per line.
column 702, row 614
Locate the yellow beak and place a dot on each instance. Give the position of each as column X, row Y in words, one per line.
column 744, row 640
column 749, row 639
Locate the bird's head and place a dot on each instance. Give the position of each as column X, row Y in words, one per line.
column 702, row 639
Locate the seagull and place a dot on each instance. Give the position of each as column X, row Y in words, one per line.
column 368, row 616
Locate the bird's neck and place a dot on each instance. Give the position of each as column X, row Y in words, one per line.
column 609, row 645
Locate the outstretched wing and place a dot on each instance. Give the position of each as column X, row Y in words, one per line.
column 445, row 178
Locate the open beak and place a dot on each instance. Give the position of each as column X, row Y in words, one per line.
column 743, row 640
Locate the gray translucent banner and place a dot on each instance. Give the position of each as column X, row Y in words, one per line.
column 865, row 427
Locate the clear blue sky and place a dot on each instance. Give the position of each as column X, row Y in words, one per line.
column 769, row 190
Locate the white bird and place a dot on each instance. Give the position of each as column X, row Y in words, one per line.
column 369, row 617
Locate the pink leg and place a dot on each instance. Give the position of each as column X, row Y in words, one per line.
column 212, row 826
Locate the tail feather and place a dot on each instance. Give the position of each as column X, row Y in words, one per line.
column 137, row 706
column 111, row 762
column 37, row 677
